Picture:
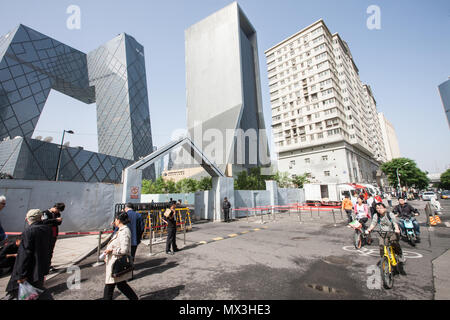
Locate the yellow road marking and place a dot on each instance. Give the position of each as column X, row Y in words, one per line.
column 217, row 239
column 202, row 242
column 256, row 229
column 244, row 232
column 233, row 235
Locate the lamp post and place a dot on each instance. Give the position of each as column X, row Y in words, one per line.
column 60, row 152
column 398, row 177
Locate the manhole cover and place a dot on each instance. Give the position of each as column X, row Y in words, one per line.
column 299, row 238
column 324, row 289
column 337, row 260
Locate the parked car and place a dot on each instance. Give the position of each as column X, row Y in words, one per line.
column 427, row 195
column 445, row 194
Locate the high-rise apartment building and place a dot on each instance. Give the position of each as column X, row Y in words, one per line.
column 324, row 119
column 389, row 138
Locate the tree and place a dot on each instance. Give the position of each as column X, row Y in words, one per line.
column 205, row 184
column 186, row 185
column 283, row 179
column 445, row 180
column 299, row 181
column 410, row 175
column 250, row 181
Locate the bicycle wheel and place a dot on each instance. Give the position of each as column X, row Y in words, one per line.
column 386, row 275
column 357, row 239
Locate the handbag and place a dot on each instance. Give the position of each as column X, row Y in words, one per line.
column 121, row 266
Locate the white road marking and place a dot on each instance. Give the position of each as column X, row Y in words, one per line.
column 376, row 252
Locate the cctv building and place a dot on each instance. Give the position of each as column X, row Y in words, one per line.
column 112, row 76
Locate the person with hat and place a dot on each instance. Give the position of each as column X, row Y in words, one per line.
column 32, row 261
column 170, row 220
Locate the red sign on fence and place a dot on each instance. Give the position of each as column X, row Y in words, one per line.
column 134, row 193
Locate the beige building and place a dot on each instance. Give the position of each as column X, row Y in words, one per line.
column 389, row 137
column 324, row 119
column 176, row 175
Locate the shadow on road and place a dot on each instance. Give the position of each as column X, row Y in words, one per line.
column 164, row 294
column 150, row 268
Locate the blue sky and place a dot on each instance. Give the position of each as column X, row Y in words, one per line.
column 404, row 62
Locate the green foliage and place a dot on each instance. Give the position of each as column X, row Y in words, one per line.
column 205, row 184
column 255, row 181
column 410, row 175
column 283, row 179
column 299, row 181
column 445, row 180
column 187, row 185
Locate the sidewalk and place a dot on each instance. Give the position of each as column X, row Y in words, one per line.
column 441, row 266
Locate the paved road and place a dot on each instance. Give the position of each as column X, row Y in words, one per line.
column 282, row 259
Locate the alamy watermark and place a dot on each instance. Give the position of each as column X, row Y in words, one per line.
column 222, row 146
column 374, row 20
column 73, row 22
column 74, row 281
column 374, row 280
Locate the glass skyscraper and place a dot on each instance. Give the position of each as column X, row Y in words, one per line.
column 112, row 76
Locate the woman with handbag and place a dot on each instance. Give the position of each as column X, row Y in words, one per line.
column 118, row 260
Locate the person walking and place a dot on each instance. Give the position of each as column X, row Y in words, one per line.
column 347, row 205
column 52, row 218
column 226, row 206
column 136, row 226
column 170, row 220
column 32, row 262
column 118, row 246
column 3, row 235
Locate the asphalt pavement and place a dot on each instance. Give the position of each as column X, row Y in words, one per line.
column 289, row 257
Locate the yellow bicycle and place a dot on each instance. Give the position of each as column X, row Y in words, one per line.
column 388, row 263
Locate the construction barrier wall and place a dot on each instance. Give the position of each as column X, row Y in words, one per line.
column 89, row 206
column 287, row 196
column 186, row 198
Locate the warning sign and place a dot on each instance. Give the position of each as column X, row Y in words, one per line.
column 134, row 193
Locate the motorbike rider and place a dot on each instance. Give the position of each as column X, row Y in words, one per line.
column 405, row 211
column 387, row 222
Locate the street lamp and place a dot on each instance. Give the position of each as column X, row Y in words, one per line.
column 60, row 152
column 398, row 178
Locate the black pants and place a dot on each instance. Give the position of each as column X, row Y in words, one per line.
column 171, row 239
column 363, row 221
column 123, row 287
column 226, row 214
column 349, row 215
column 133, row 251
column 52, row 247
